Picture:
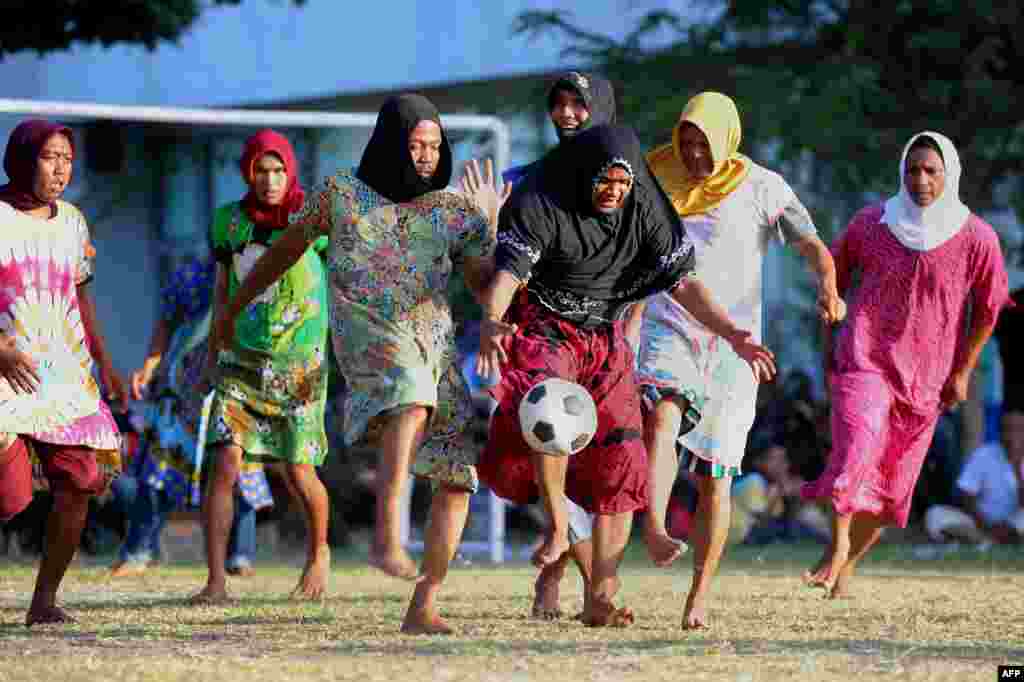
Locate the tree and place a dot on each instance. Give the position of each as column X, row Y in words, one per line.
column 53, row 25
column 843, row 81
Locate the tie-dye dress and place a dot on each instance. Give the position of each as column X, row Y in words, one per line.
column 42, row 262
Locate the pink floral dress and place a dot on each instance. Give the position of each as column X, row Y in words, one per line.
column 907, row 323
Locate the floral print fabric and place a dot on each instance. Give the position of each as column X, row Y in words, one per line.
column 388, row 268
column 272, row 384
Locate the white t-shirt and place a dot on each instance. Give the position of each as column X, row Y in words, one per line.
column 730, row 242
column 988, row 476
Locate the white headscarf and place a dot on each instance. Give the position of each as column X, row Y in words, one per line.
column 923, row 229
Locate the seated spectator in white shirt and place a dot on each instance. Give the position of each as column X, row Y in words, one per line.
column 992, row 489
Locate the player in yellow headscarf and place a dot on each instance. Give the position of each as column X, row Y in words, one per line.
column 697, row 390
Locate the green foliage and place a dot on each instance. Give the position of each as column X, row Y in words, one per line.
column 846, row 80
column 52, row 25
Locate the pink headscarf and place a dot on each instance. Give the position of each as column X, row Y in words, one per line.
column 271, row 142
column 21, row 158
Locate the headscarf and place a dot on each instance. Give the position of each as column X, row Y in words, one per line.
column 598, row 96
column 269, row 141
column 716, row 116
column 575, row 257
column 21, row 160
column 387, row 166
column 924, row 228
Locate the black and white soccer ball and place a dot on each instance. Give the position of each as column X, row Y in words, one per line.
column 558, row 417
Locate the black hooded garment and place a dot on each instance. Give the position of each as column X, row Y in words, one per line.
column 597, row 94
column 599, row 97
column 584, row 265
column 387, row 165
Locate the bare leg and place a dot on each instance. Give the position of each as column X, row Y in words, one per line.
column 661, row 430
column 865, row 532
column 63, row 533
column 545, row 589
column 826, row 571
column 219, row 511
column 550, row 473
column 583, row 554
column 402, row 435
column 448, row 511
column 310, row 491
column 711, row 528
column 611, row 533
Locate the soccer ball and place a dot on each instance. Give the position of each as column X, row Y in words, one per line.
column 558, row 417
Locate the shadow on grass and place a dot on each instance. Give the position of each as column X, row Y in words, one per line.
column 682, row 646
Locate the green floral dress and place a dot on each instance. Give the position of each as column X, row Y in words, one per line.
column 272, row 384
column 389, row 266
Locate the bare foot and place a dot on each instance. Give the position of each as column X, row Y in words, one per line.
column 826, row 571
column 209, row 596
column 546, row 594
column 841, row 588
column 694, row 617
column 663, row 548
column 313, row 583
column 397, row 565
column 603, row 614
column 125, row 569
column 556, row 543
column 424, row 622
column 44, row 615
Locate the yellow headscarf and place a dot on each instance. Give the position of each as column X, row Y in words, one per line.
column 716, row 116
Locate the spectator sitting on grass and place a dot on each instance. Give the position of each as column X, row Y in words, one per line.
column 766, row 503
column 991, row 488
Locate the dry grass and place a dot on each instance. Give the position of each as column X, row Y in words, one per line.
column 955, row 619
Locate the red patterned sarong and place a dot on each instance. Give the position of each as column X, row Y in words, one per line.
column 609, row 476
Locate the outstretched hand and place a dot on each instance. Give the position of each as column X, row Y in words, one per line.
column 955, row 390
column 492, row 356
column 482, row 189
column 760, row 359
column 831, row 308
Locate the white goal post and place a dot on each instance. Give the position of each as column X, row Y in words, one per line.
column 499, row 148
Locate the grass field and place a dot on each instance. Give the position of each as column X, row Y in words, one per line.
column 953, row 619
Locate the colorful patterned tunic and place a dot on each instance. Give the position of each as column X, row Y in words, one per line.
column 272, row 383
column 42, row 262
column 389, row 266
column 172, row 420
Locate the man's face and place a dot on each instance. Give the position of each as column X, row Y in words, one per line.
column 925, row 176
column 611, row 189
column 695, row 151
column 269, row 179
column 53, row 168
column 1013, row 436
column 425, row 148
column 569, row 111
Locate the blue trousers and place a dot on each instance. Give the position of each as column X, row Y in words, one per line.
column 147, row 510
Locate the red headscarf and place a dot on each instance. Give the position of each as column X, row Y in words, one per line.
column 271, row 142
column 21, row 159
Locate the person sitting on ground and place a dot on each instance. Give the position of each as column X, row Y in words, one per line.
column 991, row 487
